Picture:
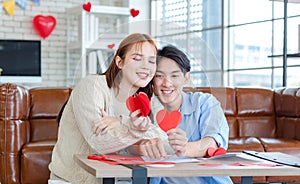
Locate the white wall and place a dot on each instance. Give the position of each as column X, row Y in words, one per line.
column 141, row 22
column 20, row 26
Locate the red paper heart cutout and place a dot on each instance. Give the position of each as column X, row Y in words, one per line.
column 167, row 121
column 220, row 151
column 215, row 151
column 111, row 46
column 139, row 101
column 134, row 12
column 211, row 151
column 87, row 6
column 44, row 25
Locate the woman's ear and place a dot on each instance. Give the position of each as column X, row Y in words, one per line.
column 118, row 61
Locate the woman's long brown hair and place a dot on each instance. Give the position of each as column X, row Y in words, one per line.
column 135, row 39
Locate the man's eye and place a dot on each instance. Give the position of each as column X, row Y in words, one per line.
column 175, row 76
column 158, row 76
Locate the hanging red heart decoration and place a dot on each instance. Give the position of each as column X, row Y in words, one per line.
column 134, row 12
column 167, row 121
column 87, row 6
column 139, row 101
column 111, row 46
column 44, row 25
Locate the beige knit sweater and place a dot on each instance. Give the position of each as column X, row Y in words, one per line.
column 75, row 135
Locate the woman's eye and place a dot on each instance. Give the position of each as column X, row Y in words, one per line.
column 175, row 76
column 137, row 59
column 152, row 61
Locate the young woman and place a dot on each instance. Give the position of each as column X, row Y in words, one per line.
column 104, row 97
column 203, row 123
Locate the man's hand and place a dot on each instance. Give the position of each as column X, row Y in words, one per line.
column 178, row 141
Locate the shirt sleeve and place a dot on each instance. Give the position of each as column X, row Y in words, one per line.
column 213, row 122
column 88, row 97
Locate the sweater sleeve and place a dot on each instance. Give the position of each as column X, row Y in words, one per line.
column 88, row 97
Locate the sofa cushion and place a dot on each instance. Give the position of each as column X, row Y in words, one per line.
column 257, row 126
column 288, row 127
column 246, row 143
column 255, row 102
column 35, row 159
column 45, row 106
column 233, row 127
column 287, row 102
column 284, row 145
column 43, row 129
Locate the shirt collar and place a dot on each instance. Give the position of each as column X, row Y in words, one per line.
column 187, row 106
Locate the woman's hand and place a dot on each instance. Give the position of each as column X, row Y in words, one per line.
column 178, row 141
column 140, row 123
column 106, row 123
column 151, row 148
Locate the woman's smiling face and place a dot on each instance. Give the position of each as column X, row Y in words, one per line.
column 139, row 65
column 168, row 82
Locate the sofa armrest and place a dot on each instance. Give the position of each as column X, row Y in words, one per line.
column 287, row 107
column 14, row 129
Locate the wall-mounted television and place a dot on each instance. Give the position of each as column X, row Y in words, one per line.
column 20, row 61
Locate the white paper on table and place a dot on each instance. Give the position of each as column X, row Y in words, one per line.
column 172, row 158
column 234, row 156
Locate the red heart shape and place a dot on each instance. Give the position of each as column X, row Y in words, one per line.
column 44, row 25
column 87, row 6
column 220, row 151
column 139, row 101
column 167, row 121
column 134, row 12
column 211, row 151
column 215, row 151
column 111, row 46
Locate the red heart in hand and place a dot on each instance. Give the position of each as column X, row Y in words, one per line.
column 167, row 121
column 139, row 101
column 111, row 46
column 215, row 151
column 134, row 12
column 87, row 6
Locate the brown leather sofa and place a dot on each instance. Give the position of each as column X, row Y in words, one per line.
column 262, row 120
column 28, row 132
column 259, row 119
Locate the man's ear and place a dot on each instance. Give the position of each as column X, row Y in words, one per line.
column 118, row 61
column 187, row 77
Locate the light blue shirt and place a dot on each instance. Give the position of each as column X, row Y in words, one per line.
column 202, row 116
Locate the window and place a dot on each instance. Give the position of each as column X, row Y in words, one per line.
column 234, row 45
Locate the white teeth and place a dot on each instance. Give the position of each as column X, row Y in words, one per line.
column 167, row 91
column 142, row 74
